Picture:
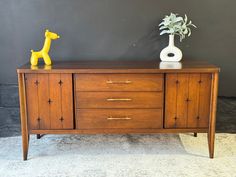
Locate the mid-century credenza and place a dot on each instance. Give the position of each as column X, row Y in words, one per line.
column 90, row 97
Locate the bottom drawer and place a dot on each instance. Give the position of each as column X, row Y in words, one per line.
column 118, row 118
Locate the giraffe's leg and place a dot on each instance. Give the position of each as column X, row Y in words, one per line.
column 47, row 59
column 34, row 59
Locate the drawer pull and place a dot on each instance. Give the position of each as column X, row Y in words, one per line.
column 119, row 99
column 119, row 118
column 118, row 82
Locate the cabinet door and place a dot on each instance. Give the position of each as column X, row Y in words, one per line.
column 187, row 101
column 49, row 101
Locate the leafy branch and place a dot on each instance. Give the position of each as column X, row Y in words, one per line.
column 176, row 25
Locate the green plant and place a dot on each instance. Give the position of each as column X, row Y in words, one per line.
column 174, row 24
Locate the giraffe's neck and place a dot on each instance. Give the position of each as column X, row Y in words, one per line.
column 47, row 44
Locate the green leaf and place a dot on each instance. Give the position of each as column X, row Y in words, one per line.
column 189, row 30
column 174, row 24
column 194, row 25
column 162, row 27
column 185, row 31
column 164, row 32
column 171, row 30
column 185, row 18
column 178, row 19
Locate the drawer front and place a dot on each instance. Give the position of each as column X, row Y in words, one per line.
column 119, row 82
column 118, row 118
column 119, row 99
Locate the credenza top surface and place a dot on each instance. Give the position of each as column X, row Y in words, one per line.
column 121, row 66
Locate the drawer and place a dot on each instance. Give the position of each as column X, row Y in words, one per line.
column 118, row 118
column 119, row 99
column 119, row 82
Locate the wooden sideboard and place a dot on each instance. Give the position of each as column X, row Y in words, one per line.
column 89, row 97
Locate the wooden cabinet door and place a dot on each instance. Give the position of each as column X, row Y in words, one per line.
column 187, row 101
column 49, row 101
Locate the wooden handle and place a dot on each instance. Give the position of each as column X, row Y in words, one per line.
column 119, row 82
column 118, row 118
column 119, row 99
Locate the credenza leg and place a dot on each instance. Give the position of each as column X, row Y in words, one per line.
column 25, row 145
column 23, row 116
column 38, row 136
column 212, row 120
column 211, row 142
column 195, row 134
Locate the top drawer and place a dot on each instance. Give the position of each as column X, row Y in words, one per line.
column 119, row 82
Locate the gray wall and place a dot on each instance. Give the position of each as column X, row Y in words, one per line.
column 116, row 29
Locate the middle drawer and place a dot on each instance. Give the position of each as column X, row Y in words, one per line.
column 119, row 99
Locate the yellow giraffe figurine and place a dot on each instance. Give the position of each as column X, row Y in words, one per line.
column 44, row 52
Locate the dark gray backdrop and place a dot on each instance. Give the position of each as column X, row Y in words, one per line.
column 116, row 29
column 113, row 29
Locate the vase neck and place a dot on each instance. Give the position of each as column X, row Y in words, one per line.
column 171, row 40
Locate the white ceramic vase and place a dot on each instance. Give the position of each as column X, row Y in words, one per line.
column 170, row 65
column 171, row 52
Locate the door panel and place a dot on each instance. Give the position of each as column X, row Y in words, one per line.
column 193, row 100
column 67, row 101
column 187, row 100
column 55, row 105
column 171, row 100
column 43, row 97
column 205, row 100
column 49, row 101
column 182, row 96
column 32, row 100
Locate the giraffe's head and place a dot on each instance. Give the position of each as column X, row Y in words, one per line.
column 51, row 35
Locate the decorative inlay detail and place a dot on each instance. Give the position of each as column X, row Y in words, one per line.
column 49, row 101
column 36, row 82
column 60, row 82
column 187, row 100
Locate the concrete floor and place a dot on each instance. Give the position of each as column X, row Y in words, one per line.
column 155, row 155
column 226, row 115
column 225, row 123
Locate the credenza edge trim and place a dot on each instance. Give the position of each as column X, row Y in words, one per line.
column 118, row 131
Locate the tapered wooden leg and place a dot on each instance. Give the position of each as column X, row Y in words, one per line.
column 38, row 136
column 23, row 116
column 212, row 122
column 25, row 145
column 195, row 134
